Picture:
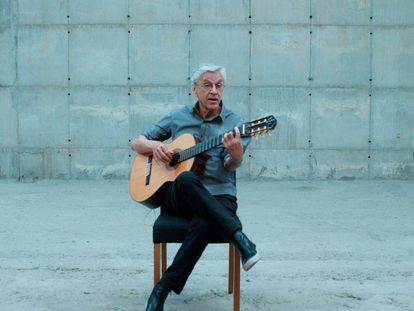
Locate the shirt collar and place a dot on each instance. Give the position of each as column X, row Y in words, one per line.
column 220, row 117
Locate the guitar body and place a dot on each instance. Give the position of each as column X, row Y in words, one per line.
column 144, row 189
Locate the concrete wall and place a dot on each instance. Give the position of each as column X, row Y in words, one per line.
column 80, row 78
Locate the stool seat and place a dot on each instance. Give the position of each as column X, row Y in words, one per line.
column 173, row 229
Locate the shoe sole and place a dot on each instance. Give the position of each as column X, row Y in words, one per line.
column 251, row 262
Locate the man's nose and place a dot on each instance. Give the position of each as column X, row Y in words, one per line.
column 213, row 89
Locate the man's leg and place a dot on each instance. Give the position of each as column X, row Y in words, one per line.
column 187, row 188
column 188, row 196
column 187, row 256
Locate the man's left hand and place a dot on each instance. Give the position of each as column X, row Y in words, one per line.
column 234, row 145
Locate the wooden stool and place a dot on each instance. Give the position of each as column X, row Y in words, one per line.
column 171, row 229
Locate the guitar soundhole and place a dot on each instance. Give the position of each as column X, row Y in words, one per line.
column 174, row 162
column 171, row 168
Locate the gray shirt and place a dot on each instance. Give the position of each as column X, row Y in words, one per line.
column 216, row 178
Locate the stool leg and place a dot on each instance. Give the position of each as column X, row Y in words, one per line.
column 156, row 263
column 236, row 295
column 231, row 268
column 164, row 257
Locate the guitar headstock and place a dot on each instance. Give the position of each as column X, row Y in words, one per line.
column 258, row 127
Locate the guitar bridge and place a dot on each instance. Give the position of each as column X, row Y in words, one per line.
column 148, row 170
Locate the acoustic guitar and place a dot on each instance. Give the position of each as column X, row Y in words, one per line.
column 148, row 176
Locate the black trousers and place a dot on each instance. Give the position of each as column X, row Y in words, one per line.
column 187, row 197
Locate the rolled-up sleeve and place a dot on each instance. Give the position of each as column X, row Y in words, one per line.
column 161, row 130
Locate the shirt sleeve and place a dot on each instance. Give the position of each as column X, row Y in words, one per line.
column 161, row 130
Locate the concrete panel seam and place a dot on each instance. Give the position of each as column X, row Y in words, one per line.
column 292, row 25
column 68, row 98
column 370, row 91
column 189, row 72
column 310, row 90
column 129, row 87
column 249, row 102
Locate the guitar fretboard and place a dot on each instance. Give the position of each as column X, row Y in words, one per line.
column 199, row 148
column 249, row 129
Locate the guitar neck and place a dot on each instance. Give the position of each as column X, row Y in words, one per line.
column 249, row 129
column 199, row 148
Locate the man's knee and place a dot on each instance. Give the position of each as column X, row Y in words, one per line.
column 186, row 179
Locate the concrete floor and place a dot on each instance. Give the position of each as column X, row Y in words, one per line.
column 326, row 245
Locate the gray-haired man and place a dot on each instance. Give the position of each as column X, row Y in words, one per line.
column 209, row 200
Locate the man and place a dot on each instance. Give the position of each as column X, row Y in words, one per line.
column 208, row 199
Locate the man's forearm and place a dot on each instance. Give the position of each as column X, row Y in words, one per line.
column 232, row 164
column 143, row 145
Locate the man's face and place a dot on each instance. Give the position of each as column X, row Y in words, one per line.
column 209, row 89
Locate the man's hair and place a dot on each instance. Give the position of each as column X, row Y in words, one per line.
column 207, row 68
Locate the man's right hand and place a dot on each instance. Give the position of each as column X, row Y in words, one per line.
column 159, row 150
column 161, row 153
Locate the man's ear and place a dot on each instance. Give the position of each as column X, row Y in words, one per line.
column 194, row 90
